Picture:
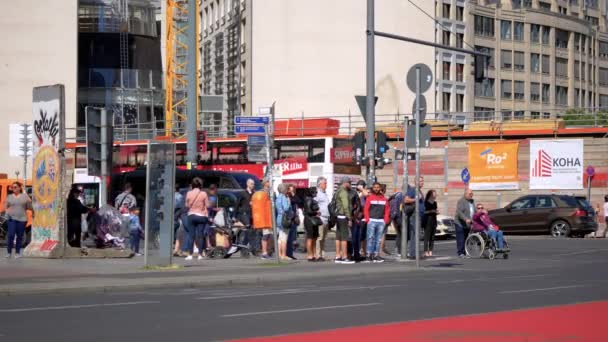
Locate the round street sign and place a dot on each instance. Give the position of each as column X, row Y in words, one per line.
column 426, row 78
column 422, row 108
column 590, row 171
column 465, row 175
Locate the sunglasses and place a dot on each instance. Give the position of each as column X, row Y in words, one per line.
column 479, row 207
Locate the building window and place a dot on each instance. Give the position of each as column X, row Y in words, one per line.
column 518, row 61
column 446, row 11
column 490, row 51
column 446, row 70
column 459, row 72
column 535, row 33
column 592, row 3
column 484, row 26
column 519, row 88
column 446, row 101
column 561, row 95
column 506, row 87
column 516, row 4
column 534, row 62
column 535, row 115
column 505, row 30
column 460, row 103
column 518, row 31
column 546, row 32
column 603, row 50
column 459, row 40
column 561, row 39
column 545, row 93
column 518, row 115
column 459, row 13
column 583, row 71
column 483, row 114
column 577, row 70
column 603, row 102
column 485, row 88
column 577, row 41
column 546, row 64
column 506, row 115
column 506, row 59
column 535, row 92
column 544, row 6
column 594, row 21
column 603, row 76
column 446, row 38
column 546, row 115
column 561, row 67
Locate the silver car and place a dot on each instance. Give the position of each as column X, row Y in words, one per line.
column 446, row 227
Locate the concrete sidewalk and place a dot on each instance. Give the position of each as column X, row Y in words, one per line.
column 23, row 276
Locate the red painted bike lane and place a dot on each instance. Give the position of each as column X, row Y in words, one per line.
column 577, row 322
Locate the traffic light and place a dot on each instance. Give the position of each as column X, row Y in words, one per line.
column 99, row 135
column 359, row 147
column 381, row 145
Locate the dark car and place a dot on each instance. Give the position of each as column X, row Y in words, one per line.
column 559, row 215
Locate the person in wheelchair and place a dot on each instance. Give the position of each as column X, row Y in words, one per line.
column 483, row 223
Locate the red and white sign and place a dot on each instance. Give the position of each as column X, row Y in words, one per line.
column 342, row 155
column 298, row 183
column 291, row 165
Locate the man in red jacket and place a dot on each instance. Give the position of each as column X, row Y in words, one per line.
column 376, row 213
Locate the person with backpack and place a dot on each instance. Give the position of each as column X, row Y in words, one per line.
column 284, row 221
column 410, row 208
column 396, row 217
column 377, row 217
column 343, row 213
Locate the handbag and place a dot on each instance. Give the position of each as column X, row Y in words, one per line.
column 316, row 221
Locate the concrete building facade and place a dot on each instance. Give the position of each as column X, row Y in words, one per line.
column 38, row 49
column 308, row 57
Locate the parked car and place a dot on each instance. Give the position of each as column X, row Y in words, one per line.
column 559, row 215
column 446, row 228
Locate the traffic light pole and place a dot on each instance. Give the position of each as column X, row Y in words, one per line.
column 103, row 186
column 370, row 94
column 417, row 179
column 270, row 174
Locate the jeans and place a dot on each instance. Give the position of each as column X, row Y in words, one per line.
column 496, row 236
column 355, row 244
column 291, row 238
column 322, row 236
column 188, row 243
column 398, row 224
column 411, row 236
column 198, row 226
column 15, row 228
column 375, row 229
column 134, row 240
column 461, row 235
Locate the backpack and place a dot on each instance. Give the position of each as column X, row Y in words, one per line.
column 333, row 211
column 395, row 202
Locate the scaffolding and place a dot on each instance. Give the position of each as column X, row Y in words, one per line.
column 177, row 45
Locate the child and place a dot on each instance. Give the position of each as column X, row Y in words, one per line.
column 135, row 230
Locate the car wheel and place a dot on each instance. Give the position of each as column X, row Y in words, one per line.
column 560, row 229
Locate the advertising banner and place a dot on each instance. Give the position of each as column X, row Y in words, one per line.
column 493, row 166
column 48, row 168
column 556, row 164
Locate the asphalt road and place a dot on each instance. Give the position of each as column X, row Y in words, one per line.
column 541, row 272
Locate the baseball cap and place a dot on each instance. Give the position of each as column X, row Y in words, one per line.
column 344, row 179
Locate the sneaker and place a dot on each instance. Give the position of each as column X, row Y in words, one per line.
column 266, row 257
column 200, row 257
column 398, row 256
column 320, row 259
column 378, row 259
column 347, row 261
column 292, row 257
column 138, row 254
column 189, row 257
column 367, row 260
column 18, row 255
column 338, row 261
column 464, row 256
column 8, row 256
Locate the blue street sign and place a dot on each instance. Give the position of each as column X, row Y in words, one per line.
column 249, row 130
column 465, row 175
column 251, row 120
column 256, row 140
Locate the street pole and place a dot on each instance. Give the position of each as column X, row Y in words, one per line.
column 191, row 110
column 25, row 148
column 589, row 190
column 370, row 93
column 270, row 175
column 103, row 186
column 404, row 225
column 417, row 180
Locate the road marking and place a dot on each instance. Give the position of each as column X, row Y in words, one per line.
column 583, row 252
column 300, row 310
column 543, row 289
column 296, row 291
column 68, row 307
column 492, row 279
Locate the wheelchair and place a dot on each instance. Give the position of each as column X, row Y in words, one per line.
column 480, row 245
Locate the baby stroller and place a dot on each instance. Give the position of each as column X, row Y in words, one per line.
column 227, row 237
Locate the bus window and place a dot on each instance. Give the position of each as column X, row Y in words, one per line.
column 81, row 158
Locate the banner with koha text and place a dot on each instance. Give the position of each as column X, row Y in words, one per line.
column 556, row 164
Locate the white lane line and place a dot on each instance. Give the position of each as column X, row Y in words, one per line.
column 300, row 310
column 492, row 279
column 583, row 252
column 68, row 307
column 288, row 292
column 543, row 289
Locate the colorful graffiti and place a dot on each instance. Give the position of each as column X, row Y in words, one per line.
column 47, row 170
